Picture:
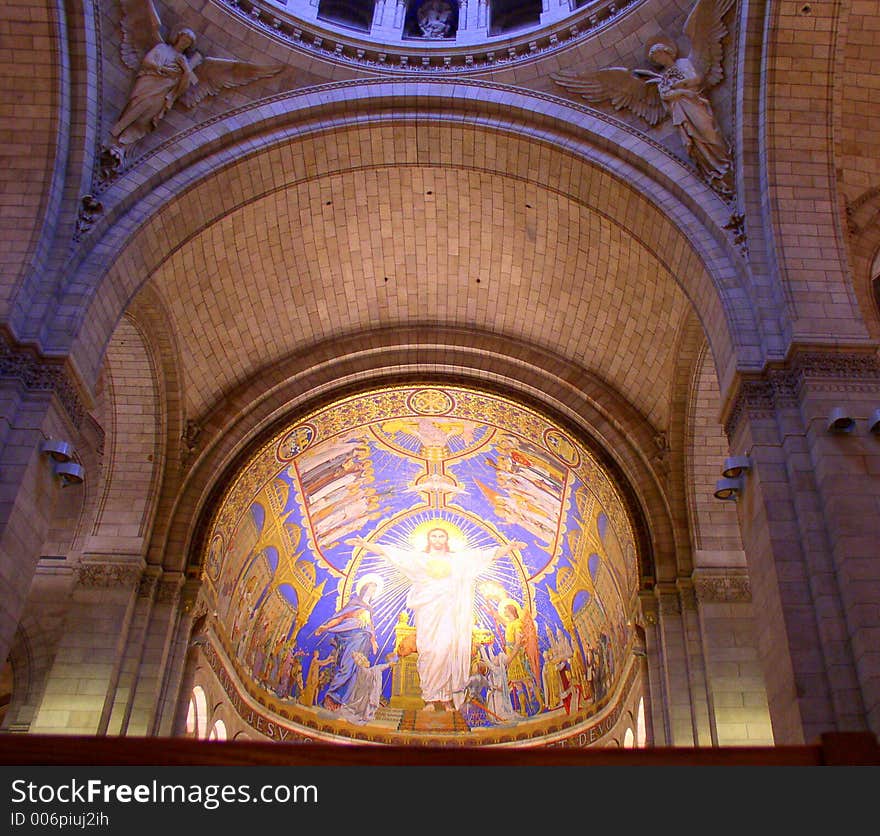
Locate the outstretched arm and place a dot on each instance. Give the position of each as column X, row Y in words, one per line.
column 507, row 548
column 375, row 548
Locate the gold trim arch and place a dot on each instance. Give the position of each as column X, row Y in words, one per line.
column 423, row 564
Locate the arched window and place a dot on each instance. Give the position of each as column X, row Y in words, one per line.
column 641, row 728
column 197, row 716
column 629, row 739
column 218, row 731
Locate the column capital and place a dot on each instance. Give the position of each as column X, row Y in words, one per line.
column 106, row 573
column 36, row 372
column 781, row 385
column 713, row 586
column 170, row 586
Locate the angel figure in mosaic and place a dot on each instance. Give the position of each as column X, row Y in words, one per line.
column 166, row 73
column 677, row 89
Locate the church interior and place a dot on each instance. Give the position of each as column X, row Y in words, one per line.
column 387, row 379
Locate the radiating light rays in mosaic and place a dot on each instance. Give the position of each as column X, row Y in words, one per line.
column 283, row 560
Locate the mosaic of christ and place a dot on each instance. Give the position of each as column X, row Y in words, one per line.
column 423, row 562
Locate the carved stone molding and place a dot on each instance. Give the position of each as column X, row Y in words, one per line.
column 669, row 603
column 37, row 373
column 149, row 582
column 737, row 226
column 861, row 212
column 189, row 596
column 410, row 58
column 648, row 605
column 723, row 589
column 169, row 588
column 100, row 575
column 688, row 597
column 781, row 387
column 856, row 367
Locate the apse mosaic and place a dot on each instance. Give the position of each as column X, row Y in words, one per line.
column 420, row 563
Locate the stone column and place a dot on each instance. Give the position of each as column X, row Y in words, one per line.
column 656, row 708
column 812, row 583
column 704, row 733
column 82, row 682
column 640, row 652
column 737, row 696
column 32, row 410
column 179, row 669
column 846, row 469
column 157, row 653
column 675, row 667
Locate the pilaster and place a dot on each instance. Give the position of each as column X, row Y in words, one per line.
column 735, row 680
column 704, row 732
column 676, row 675
column 82, row 683
column 157, row 653
column 179, row 671
column 656, row 713
column 808, row 513
column 37, row 402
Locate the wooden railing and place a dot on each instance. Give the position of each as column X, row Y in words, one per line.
column 43, row 750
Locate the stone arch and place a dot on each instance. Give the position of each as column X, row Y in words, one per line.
column 864, row 254
column 32, row 654
column 134, row 454
column 669, row 212
column 16, row 681
column 714, row 525
column 148, row 311
column 621, row 437
column 32, row 171
column 672, row 453
column 808, row 252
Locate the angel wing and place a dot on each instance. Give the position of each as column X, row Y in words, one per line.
column 617, row 85
column 530, row 642
column 705, row 28
column 141, row 30
column 216, row 74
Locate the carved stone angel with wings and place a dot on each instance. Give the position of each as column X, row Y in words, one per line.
column 678, row 90
column 166, row 75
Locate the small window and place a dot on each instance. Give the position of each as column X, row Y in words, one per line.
column 641, row 727
column 218, row 731
column 197, row 718
column 507, row 15
column 355, row 14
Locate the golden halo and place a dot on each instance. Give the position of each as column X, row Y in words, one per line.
column 509, row 602
column 419, row 536
column 373, row 578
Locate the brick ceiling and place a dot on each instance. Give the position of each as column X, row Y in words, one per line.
column 401, row 246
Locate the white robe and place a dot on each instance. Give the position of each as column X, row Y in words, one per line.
column 365, row 696
column 441, row 597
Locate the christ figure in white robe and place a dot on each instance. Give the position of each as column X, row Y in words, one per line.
column 441, row 597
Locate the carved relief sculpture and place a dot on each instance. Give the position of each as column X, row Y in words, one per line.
column 166, row 74
column 678, row 90
column 435, row 18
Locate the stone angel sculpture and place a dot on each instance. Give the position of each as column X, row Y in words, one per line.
column 166, row 74
column 677, row 90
